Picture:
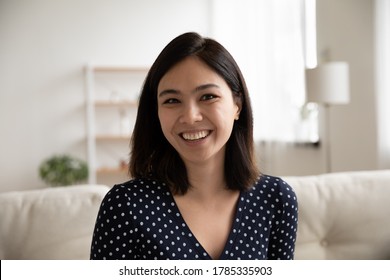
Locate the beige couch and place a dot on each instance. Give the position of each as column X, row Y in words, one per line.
column 53, row 223
column 342, row 216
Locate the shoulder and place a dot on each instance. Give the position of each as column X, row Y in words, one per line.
column 135, row 189
column 272, row 183
column 274, row 188
column 141, row 185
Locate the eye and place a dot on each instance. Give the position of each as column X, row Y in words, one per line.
column 171, row 101
column 208, row 96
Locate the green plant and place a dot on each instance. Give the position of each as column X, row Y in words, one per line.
column 63, row 170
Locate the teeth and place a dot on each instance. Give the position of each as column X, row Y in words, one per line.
column 195, row 135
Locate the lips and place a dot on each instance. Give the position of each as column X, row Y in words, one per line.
column 194, row 136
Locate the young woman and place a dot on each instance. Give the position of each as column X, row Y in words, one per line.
column 196, row 192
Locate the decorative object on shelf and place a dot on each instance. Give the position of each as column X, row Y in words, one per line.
column 63, row 170
column 328, row 85
column 125, row 123
column 123, row 164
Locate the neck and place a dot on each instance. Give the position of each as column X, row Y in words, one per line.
column 206, row 180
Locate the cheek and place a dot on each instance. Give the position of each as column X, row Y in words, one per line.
column 227, row 115
column 165, row 123
column 228, row 119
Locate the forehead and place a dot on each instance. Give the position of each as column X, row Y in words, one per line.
column 190, row 73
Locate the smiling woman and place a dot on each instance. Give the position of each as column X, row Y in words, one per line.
column 191, row 64
column 196, row 192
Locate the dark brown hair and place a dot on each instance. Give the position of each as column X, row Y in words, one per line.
column 152, row 156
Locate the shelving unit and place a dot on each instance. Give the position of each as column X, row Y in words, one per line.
column 111, row 107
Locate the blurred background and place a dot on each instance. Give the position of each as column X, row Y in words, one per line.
column 55, row 54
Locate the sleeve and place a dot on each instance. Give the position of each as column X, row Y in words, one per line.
column 114, row 235
column 283, row 237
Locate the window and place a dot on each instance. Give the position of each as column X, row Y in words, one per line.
column 273, row 41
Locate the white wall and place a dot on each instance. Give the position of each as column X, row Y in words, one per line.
column 45, row 44
column 346, row 31
column 44, row 47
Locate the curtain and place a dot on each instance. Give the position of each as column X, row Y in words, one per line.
column 382, row 24
column 268, row 40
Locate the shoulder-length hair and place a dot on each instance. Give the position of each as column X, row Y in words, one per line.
column 152, row 156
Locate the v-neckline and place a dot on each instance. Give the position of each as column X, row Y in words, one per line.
column 234, row 230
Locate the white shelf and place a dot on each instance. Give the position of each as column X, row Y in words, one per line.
column 112, row 94
column 119, row 68
column 121, row 103
column 110, row 137
column 111, row 170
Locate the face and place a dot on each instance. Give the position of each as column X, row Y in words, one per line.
column 196, row 111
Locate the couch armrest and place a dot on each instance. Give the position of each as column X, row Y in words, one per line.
column 52, row 223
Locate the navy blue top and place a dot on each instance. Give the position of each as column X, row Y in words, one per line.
column 140, row 220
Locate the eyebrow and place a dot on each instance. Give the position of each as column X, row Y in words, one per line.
column 197, row 89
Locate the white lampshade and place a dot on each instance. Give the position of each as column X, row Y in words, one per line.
column 328, row 83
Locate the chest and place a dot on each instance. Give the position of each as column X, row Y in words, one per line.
column 173, row 229
column 210, row 224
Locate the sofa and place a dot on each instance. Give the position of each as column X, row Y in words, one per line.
column 341, row 216
column 51, row 223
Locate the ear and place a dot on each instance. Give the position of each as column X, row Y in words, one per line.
column 238, row 102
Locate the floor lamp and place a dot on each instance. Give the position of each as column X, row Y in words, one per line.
column 327, row 85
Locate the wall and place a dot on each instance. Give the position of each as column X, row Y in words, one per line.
column 346, row 32
column 45, row 45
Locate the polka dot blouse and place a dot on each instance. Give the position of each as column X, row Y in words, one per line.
column 140, row 220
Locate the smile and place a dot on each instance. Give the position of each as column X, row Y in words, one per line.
column 193, row 136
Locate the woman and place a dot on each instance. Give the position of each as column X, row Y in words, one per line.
column 196, row 192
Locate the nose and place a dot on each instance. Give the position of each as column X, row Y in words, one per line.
column 191, row 114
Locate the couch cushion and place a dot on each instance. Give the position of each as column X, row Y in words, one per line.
column 343, row 215
column 53, row 223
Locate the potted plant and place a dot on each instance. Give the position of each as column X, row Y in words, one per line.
column 63, row 170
